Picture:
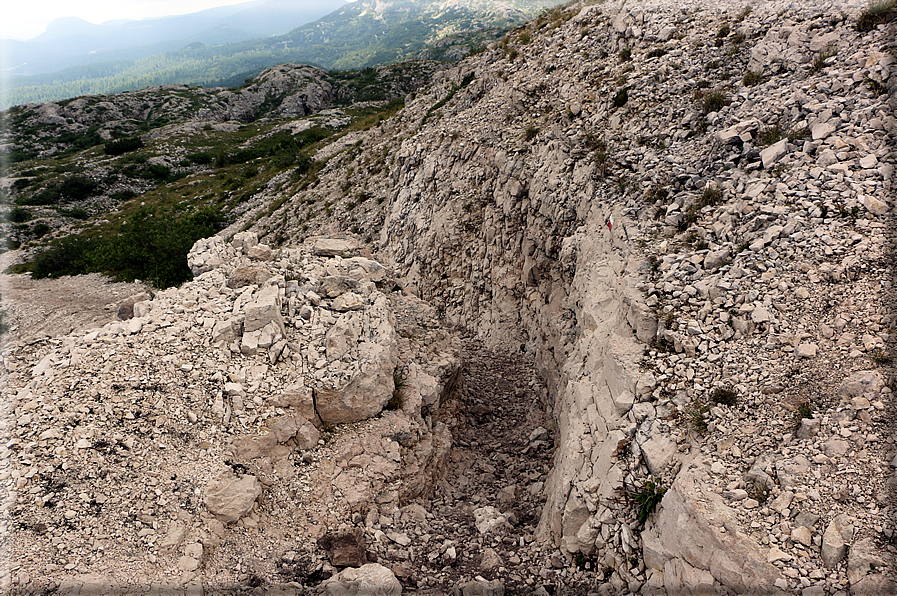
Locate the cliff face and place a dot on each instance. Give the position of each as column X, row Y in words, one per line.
column 664, row 203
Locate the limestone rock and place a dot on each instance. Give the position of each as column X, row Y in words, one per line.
column 230, row 497
column 364, row 394
column 772, row 154
column 684, row 527
column 490, row 520
column 483, row 587
column 336, row 247
column 835, row 539
column 264, row 310
column 208, row 253
column 244, row 276
column 371, row 579
column 865, row 383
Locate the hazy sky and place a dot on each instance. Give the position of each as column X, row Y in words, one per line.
column 24, row 19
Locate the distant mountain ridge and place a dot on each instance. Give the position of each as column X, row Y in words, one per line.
column 354, row 35
column 71, row 41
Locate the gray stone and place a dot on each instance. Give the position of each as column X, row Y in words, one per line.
column 482, row 587
column 837, row 536
column 348, row 301
column 835, row 447
column 806, row 351
column 334, row 285
column 865, row 558
column 821, row 130
column 336, row 247
column 809, row 428
column 864, row 383
column 772, row 154
column 264, row 310
column 802, row 535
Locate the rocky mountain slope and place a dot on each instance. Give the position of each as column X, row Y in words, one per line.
column 681, row 214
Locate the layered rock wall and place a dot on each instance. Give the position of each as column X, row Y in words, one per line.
column 645, row 196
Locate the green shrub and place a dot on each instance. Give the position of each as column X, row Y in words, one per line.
column 625, row 54
column 879, row 12
column 530, row 132
column 122, row 146
column 73, row 188
column 621, row 98
column 724, row 395
column 723, row 31
column 75, row 213
column 19, row 215
column 152, row 245
column 204, row 158
column 713, row 101
column 752, row 78
column 711, row 196
column 772, row 134
column 695, row 415
column 647, row 498
column 804, row 410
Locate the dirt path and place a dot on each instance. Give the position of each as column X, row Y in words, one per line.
column 53, row 307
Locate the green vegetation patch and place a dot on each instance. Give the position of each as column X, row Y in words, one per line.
column 122, row 146
column 876, row 14
column 73, row 188
column 152, row 244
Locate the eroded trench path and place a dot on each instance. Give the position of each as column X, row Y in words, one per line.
column 501, row 456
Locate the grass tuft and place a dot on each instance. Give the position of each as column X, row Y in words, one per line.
column 877, row 13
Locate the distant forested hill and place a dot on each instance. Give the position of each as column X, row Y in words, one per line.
column 356, row 35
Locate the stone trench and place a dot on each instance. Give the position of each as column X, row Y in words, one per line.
column 478, row 533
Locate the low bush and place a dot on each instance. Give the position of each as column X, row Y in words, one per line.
column 122, row 146
column 73, row 188
column 713, row 101
column 877, row 13
column 724, row 395
column 621, row 98
column 151, row 245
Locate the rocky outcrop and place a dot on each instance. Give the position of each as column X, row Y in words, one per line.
column 208, row 443
column 649, row 250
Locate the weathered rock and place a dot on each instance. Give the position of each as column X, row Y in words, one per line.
column 367, row 392
column 838, row 534
column 335, row 285
column 772, row 154
column 346, row 548
column 264, row 310
column 336, row 247
column 230, row 497
column 371, row 579
column 348, row 301
column 490, row 520
column 244, row 276
column 684, row 528
column 482, row 587
column 866, row 383
column 126, row 308
column 208, row 253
